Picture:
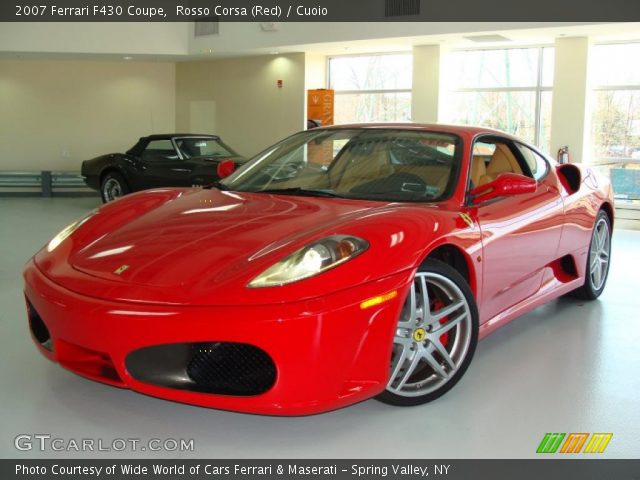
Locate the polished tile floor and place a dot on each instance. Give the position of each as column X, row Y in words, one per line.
column 566, row 367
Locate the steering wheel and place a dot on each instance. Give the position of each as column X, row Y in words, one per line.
column 396, row 182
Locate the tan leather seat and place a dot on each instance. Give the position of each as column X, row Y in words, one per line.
column 478, row 171
column 502, row 161
column 363, row 167
column 434, row 175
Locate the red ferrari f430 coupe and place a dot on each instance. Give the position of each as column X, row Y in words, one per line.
column 340, row 264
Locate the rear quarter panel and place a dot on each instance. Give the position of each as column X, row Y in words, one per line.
column 581, row 209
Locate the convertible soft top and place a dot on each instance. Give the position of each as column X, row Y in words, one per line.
column 143, row 141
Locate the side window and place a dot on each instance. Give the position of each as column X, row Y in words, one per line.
column 159, row 150
column 537, row 165
column 491, row 159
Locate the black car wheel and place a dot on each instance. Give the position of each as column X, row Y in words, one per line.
column 435, row 337
column 113, row 186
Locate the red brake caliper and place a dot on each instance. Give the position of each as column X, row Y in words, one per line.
column 435, row 306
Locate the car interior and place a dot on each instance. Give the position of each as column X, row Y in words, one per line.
column 490, row 160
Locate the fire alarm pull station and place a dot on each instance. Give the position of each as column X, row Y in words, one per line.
column 563, row 154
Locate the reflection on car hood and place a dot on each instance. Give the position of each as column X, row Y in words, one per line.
column 209, row 234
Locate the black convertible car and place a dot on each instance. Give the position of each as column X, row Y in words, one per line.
column 168, row 160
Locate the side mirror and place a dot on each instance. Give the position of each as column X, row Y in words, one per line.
column 225, row 168
column 507, row 184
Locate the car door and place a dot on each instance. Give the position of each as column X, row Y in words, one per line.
column 164, row 166
column 520, row 233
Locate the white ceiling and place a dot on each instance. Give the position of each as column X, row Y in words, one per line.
column 175, row 41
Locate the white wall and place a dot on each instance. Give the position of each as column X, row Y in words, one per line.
column 239, row 37
column 57, row 113
column 315, row 71
column 425, row 98
column 122, row 38
column 571, row 115
column 250, row 111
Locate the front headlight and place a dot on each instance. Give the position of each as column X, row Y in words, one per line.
column 68, row 230
column 311, row 260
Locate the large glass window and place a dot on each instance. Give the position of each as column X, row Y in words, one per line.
column 506, row 89
column 371, row 88
column 615, row 125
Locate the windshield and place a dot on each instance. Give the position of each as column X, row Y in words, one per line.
column 369, row 164
column 203, row 147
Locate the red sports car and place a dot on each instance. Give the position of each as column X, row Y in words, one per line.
column 341, row 264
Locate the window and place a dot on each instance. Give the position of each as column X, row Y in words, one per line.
column 507, row 89
column 203, row 147
column 160, row 145
column 492, row 158
column 357, row 163
column 371, row 88
column 159, row 150
column 538, row 166
column 615, row 121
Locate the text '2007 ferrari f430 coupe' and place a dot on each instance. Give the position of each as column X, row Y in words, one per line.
column 342, row 263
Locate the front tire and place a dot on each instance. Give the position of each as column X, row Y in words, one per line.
column 113, row 186
column 435, row 338
column 598, row 260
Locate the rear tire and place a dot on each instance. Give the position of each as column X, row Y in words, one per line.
column 113, row 186
column 598, row 260
column 433, row 346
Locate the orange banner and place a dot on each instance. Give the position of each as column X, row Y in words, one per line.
column 320, row 106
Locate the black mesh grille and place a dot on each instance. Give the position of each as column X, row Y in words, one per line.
column 38, row 328
column 231, row 368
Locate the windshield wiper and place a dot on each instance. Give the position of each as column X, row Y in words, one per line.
column 217, row 184
column 300, row 191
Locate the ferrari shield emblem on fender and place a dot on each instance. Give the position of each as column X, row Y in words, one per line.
column 467, row 219
column 121, row 269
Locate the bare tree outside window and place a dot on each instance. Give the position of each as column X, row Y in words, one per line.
column 506, row 89
column 615, row 120
column 371, row 88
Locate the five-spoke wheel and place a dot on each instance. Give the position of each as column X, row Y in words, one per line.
column 435, row 336
column 597, row 268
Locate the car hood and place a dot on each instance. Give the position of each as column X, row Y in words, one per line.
column 202, row 235
column 205, row 246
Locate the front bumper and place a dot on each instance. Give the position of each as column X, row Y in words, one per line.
column 327, row 352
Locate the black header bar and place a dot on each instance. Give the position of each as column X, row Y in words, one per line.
column 319, row 10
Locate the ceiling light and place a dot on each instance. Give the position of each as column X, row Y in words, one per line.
column 128, row 58
column 488, row 38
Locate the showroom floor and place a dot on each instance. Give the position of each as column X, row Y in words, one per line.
column 566, row 367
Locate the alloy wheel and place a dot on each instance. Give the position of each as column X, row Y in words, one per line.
column 599, row 254
column 432, row 337
column 111, row 189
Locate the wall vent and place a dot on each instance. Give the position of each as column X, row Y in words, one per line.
column 207, row 26
column 401, row 8
column 487, row 38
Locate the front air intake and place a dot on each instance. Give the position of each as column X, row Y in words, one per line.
column 232, row 368
column 224, row 368
column 38, row 328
